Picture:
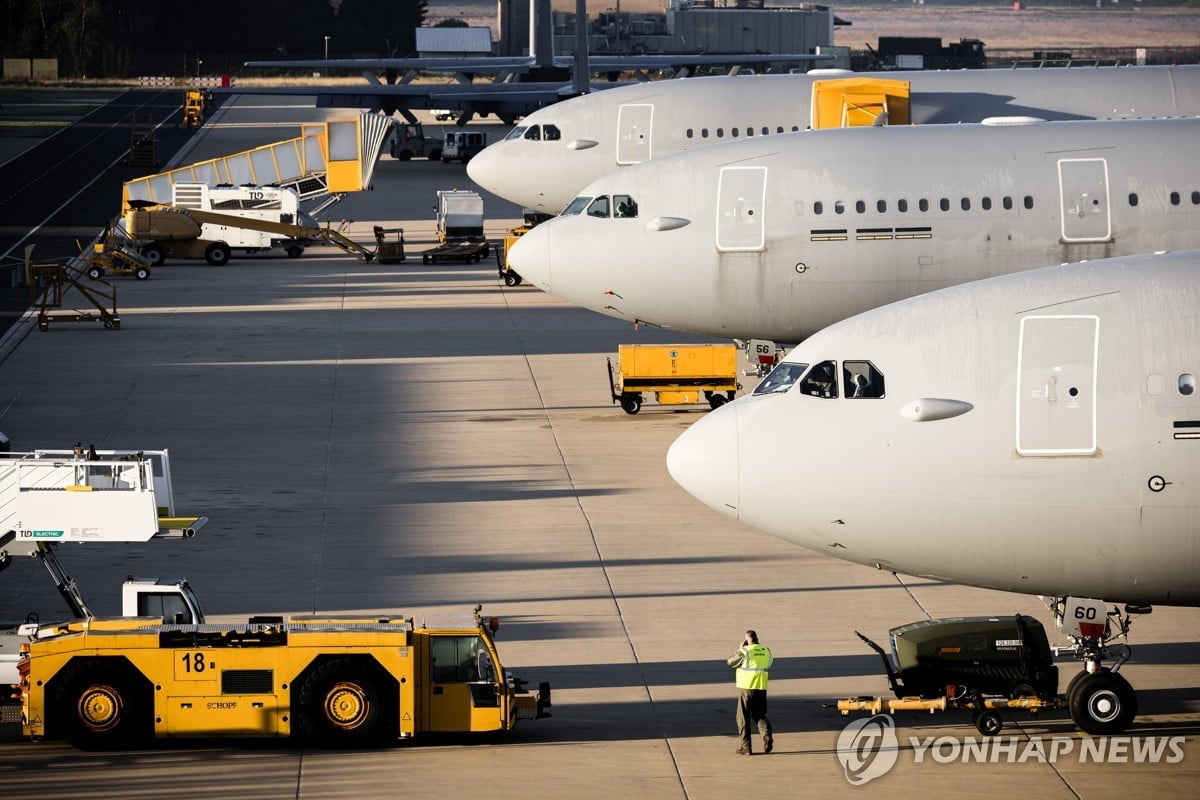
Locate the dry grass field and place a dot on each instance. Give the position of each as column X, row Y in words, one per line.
column 1004, row 29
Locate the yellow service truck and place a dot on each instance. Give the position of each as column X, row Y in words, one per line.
column 678, row 374
column 340, row 680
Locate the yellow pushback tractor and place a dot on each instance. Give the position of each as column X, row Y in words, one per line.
column 339, row 680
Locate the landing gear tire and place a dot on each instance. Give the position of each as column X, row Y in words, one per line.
column 101, row 705
column 342, row 703
column 217, row 254
column 1103, row 703
column 631, row 403
column 987, row 721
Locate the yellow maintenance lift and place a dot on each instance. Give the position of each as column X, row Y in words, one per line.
column 341, row 680
column 855, row 102
column 678, row 374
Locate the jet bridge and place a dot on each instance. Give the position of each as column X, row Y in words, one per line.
column 329, row 158
column 57, row 496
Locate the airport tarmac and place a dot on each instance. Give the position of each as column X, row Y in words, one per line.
column 420, row 438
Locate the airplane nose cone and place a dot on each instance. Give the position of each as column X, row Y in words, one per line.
column 484, row 169
column 704, row 460
column 530, row 257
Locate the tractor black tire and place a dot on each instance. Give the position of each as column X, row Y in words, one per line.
column 103, row 704
column 294, row 251
column 435, row 154
column 631, row 403
column 342, row 703
column 141, row 273
column 155, row 254
column 1103, row 703
column 217, row 254
column 95, row 273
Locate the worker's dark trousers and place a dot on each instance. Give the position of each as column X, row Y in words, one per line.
column 752, row 706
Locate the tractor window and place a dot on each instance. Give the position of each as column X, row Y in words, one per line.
column 821, row 380
column 862, row 379
column 599, row 207
column 516, row 133
column 626, row 206
column 460, row 659
column 781, row 378
column 577, row 206
column 169, row 607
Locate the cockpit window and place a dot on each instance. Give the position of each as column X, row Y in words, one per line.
column 551, row 133
column 821, row 380
column 577, row 206
column 516, row 133
column 534, row 133
column 781, row 378
column 862, row 379
column 626, row 206
column 599, row 207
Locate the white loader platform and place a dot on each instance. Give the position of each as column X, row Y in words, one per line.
column 58, row 496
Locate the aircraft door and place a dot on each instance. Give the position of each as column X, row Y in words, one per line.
column 1083, row 187
column 633, row 132
column 1056, row 385
column 741, row 193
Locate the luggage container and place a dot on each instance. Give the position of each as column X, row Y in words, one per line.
column 677, row 374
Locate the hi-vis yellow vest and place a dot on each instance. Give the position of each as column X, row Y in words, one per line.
column 752, row 674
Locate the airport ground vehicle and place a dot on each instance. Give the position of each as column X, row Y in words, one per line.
column 53, row 497
column 408, row 141
column 194, row 102
column 338, row 680
column 255, row 218
column 678, row 374
column 531, row 220
column 985, row 664
column 463, row 145
column 115, row 254
column 459, row 228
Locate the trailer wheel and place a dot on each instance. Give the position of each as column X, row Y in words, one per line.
column 101, row 706
column 1103, row 703
column 632, row 403
column 987, row 721
column 512, row 279
column 217, row 254
column 294, row 251
column 341, row 703
column 155, row 254
column 95, row 273
column 715, row 401
column 141, row 273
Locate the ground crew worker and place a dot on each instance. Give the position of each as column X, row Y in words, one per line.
column 752, row 661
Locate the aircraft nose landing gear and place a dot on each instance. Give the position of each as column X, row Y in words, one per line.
column 1100, row 700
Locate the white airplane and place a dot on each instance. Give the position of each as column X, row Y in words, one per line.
column 1036, row 432
column 554, row 153
column 776, row 237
